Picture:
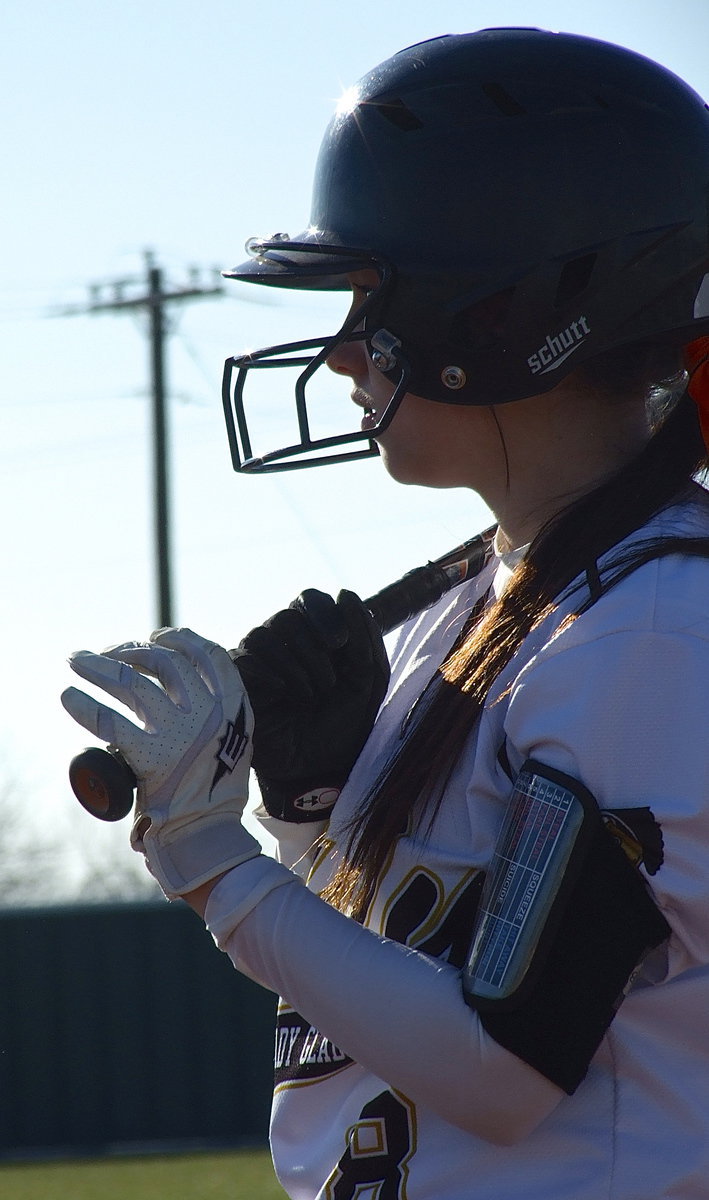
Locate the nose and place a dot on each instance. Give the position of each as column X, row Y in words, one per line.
column 348, row 358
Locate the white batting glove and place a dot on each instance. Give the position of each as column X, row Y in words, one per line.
column 191, row 758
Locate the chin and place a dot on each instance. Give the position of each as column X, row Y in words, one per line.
column 414, row 470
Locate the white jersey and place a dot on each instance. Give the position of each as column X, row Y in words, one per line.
column 382, row 1072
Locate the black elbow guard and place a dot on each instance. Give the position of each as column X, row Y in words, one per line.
column 564, row 923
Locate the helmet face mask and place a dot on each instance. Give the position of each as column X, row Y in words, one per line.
column 307, row 356
column 529, row 201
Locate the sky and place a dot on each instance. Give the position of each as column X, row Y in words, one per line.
column 183, row 129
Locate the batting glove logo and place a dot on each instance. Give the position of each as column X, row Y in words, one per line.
column 232, row 747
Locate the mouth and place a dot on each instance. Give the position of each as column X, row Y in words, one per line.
column 364, row 401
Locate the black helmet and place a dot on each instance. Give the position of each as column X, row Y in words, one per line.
column 529, row 201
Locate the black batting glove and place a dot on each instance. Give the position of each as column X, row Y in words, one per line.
column 316, row 674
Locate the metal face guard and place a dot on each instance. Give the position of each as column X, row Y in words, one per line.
column 311, row 354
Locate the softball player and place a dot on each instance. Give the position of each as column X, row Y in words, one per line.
column 488, row 918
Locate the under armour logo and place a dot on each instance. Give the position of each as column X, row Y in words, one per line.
column 320, row 799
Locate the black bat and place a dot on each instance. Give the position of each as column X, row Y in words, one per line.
column 103, row 782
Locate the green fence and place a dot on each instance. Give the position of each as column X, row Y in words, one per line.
column 124, row 1029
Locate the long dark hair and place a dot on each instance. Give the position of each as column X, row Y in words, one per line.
column 409, row 790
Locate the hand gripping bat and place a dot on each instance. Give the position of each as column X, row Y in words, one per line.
column 103, row 782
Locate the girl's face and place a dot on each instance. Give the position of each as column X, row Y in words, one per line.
column 428, row 443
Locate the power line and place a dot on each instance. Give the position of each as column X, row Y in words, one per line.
column 152, row 295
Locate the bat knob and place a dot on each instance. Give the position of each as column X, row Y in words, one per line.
column 103, row 783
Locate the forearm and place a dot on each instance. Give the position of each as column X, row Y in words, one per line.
column 396, row 1012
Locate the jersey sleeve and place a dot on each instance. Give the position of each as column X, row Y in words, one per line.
column 398, row 1013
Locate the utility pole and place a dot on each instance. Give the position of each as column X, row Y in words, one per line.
column 154, row 297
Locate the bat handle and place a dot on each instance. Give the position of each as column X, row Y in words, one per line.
column 103, row 783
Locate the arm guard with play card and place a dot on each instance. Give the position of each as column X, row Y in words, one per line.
column 565, row 922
